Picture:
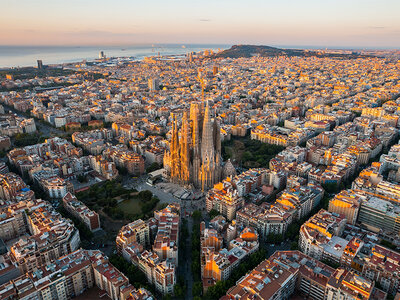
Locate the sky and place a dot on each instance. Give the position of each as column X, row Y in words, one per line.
column 324, row 23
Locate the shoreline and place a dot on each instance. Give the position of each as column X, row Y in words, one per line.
column 15, row 57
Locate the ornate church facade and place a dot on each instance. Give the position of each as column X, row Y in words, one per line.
column 194, row 155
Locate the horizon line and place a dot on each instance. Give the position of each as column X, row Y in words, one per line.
column 338, row 47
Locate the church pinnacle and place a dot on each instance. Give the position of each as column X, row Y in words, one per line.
column 191, row 159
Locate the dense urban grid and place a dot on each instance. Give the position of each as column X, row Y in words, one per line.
column 201, row 176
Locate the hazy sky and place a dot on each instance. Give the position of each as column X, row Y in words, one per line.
column 367, row 23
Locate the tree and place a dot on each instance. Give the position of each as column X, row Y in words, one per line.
column 145, row 195
column 197, row 289
column 196, row 215
column 153, row 167
column 134, row 274
column 84, row 231
column 247, row 156
column 179, row 291
column 274, row 238
column 213, row 213
column 388, row 245
column 118, row 214
column 216, row 291
column 221, row 287
column 150, row 205
column 330, row 187
column 82, row 178
column 196, row 268
column 294, row 246
column 26, row 139
column 293, row 230
column 162, row 205
column 123, row 171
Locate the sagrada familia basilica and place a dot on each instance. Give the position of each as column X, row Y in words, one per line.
column 194, row 157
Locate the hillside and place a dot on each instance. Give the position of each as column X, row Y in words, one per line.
column 237, row 51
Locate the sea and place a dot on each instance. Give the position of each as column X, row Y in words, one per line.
column 26, row 56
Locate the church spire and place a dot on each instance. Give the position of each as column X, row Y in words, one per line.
column 195, row 152
column 175, row 155
column 185, row 155
column 207, row 141
column 218, row 154
column 194, row 117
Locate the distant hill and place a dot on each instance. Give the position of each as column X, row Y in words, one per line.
column 237, row 51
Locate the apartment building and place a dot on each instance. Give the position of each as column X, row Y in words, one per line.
column 224, row 198
column 159, row 265
column 347, row 285
column 280, row 136
column 80, row 211
column 12, row 220
column 124, row 158
column 266, row 219
column 300, row 198
column 217, row 263
column 383, row 265
column 70, row 276
column 167, row 239
column 52, row 236
column 136, row 232
column 105, row 168
column 287, row 273
column 319, row 236
column 347, row 203
column 10, row 185
column 56, row 187
column 380, row 215
column 250, row 180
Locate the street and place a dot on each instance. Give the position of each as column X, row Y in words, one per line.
column 165, row 197
column 271, row 248
column 187, row 268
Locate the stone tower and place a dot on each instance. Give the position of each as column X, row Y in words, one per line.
column 175, row 153
column 191, row 159
column 185, row 150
